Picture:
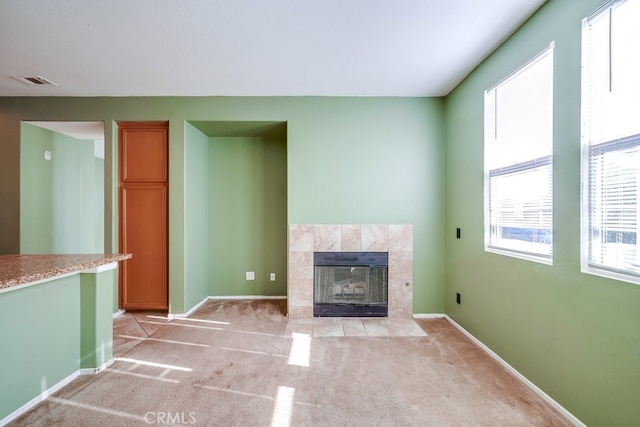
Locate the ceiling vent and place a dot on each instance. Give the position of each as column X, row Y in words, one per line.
column 31, row 81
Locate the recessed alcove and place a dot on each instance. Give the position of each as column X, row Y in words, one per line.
column 236, row 207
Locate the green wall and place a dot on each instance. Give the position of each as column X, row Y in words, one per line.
column 385, row 160
column 61, row 199
column 37, row 201
column 576, row 336
column 51, row 331
column 197, row 214
column 98, row 200
column 349, row 160
column 248, row 215
column 96, row 324
column 236, row 214
column 374, row 161
column 36, row 321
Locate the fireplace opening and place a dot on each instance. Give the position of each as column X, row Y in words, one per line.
column 350, row 284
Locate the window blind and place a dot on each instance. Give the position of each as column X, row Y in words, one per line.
column 611, row 139
column 521, row 207
column 518, row 160
column 614, row 178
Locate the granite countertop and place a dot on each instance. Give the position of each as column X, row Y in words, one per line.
column 21, row 269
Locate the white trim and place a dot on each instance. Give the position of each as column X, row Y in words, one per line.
column 53, row 389
column 39, row 398
column 93, row 371
column 247, row 297
column 171, row 316
column 570, row 417
column 610, row 274
column 101, row 268
column 118, row 313
column 521, row 255
column 429, row 316
column 523, row 66
column 195, row 307
column 607, row 5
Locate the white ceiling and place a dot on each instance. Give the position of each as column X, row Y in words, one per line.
column 249, row 47
column 78, row 130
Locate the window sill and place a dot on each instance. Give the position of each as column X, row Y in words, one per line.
column 609, row 274
column 520, row 255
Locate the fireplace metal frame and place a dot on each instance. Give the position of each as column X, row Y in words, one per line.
column 351, row 259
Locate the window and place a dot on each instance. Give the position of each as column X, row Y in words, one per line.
column 611, row 141
column 518, row 158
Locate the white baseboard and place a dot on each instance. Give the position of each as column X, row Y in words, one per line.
column 568, row 415
column 429, row 316
column 188, row 313
column 195, row 307
column 93, row 371
column 51, row 390
column 248, row 297
column 39, row 398
column 118, row 313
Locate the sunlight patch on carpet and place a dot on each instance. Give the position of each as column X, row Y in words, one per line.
column 137, row 375
column 283, row 409
column 96, row 408
column 165, row 341
column 216, row 322
column 154, row 364
column 261, row 353
column 300, row 350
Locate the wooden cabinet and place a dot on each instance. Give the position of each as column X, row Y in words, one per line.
column 143, row 210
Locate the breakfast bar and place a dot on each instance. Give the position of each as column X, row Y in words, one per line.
column 60, row 312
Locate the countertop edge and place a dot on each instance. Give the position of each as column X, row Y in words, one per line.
column 58, row 266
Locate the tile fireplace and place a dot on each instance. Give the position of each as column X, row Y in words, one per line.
column 395, row 241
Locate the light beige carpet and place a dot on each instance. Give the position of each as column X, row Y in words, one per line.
column 241, row 363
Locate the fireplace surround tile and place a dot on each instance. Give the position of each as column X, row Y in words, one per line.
column 400, row 284
column 305, row 239
column 300, row 273
column 300, row 312
column 353, row 328
column 301, row 265
column 327, row 238
column 375, row 237
column 301, row 237
column 400, row 237
column 351, row 238
column 304, row 294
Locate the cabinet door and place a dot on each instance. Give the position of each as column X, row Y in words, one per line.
column 144, row 154
column 144, row 215
column 144, row 235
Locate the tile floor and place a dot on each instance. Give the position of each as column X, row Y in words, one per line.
column 131, row 328
column 355, row 327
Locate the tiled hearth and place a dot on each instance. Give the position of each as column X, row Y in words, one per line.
column 305, row 239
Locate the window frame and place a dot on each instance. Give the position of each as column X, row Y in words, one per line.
column 599, row 147
column 530, row 164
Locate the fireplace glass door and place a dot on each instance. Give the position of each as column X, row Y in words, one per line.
column 350, row 290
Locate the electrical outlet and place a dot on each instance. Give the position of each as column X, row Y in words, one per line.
column 272, row 277
column 250, row 275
